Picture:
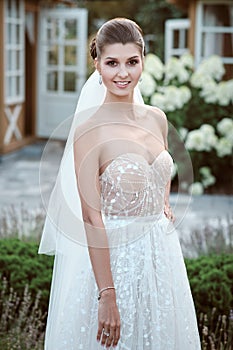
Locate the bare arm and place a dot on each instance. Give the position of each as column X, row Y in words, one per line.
column 86, row 157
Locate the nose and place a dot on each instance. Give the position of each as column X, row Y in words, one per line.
column 123, row 73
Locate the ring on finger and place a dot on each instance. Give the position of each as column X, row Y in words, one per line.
column 106, row 333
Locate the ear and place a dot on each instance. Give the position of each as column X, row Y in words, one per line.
column 97, row 65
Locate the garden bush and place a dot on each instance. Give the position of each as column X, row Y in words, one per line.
column 211, row 277
column 211, row 281
column 25, row 285
column 21, row 265
column 199, row 104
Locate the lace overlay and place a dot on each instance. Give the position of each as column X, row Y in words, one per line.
column 153, row 293
column 132, row 187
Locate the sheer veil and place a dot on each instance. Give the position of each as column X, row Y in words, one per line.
column 64, row 217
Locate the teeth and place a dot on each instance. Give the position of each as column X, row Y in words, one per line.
column 122, row 82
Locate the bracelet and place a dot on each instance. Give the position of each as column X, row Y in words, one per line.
column 103, row 289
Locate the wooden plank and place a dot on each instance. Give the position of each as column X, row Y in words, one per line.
column 18, row 144
column 191, row 33
column 32, row 6
column 1, row 72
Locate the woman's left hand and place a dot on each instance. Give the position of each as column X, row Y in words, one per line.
column 169, row 213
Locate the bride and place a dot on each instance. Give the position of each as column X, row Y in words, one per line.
column 119, row 278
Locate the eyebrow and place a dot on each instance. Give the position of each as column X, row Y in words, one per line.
column 115, row 58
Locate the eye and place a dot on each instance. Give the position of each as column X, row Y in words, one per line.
column 111, row 63
column 133, row 62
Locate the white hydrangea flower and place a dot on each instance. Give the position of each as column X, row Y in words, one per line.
column 224, row 92
column 148, row 85
column 158, row 100
column 175, row 69
column 209, row 92
column 185, row 94
column 230, row 88
column 212, row 66
column 195, row 141
column 207, row 129
column 225, row 126
column 202, row 139
column 187, row 60
column 223, row 147
column 209, row 181
column 205, row 171
column 183, row 132
column 199, row 79
column 173, row 98
column 154, row 66
column 208, row 178
column 196, row 189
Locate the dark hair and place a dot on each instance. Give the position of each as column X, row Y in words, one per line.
column 117, row 30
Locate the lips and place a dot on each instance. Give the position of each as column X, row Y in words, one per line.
column 122, row 84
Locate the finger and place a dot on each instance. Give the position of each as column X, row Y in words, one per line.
column 111, row 337
column 117, row 336
column 105, row 335
column 99, row 332
column 109, row 341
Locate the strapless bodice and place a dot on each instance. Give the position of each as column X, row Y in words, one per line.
column 130, row 186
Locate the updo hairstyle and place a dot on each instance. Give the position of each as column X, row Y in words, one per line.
column 117, row 30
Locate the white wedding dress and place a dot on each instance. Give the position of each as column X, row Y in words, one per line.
column 153, row 293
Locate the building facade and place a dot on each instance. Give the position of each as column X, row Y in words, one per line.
column 208, row 30
column 42, row 66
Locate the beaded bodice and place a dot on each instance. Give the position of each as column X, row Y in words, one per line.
column 130, row 186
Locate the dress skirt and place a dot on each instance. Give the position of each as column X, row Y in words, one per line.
column 153, row 293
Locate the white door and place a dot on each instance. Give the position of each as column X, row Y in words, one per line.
column 176, row 41
column 61, row 67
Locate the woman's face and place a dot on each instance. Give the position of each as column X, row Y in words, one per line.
column 121, row 67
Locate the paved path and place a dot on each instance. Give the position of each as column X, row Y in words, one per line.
column 19, row 184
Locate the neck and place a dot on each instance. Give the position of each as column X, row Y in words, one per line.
column 113, row 98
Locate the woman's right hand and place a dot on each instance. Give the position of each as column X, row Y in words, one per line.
column 108, row 319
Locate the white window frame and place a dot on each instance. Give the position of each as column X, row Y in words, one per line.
column 14, row 75
column 200, row 29
column 172, row 25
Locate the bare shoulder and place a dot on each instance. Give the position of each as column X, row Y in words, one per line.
column 85, row 129
column 157, row 112
column 157, row 117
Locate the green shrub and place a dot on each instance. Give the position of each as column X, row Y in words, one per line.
column 25, row 286
column 211, row 282
column 21, row 265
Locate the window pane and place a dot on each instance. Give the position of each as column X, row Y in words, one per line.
column 71, row 29
column 53, row 55
column 69, row 81
column 9, row 33
column 18, row 29
column 9, row 87
column 9, row 65
column 52, row 81
column 18, row 87
column 18, row 59
column 9, row 7
column 17, row 4
column 218, row 15
column 217, row 44
column 70, row 55
column 53, row 29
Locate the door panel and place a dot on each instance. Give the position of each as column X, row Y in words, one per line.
column 61, row 67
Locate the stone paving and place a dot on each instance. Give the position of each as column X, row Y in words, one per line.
column 21, row 171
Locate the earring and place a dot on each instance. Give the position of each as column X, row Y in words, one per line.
column 100, row 79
